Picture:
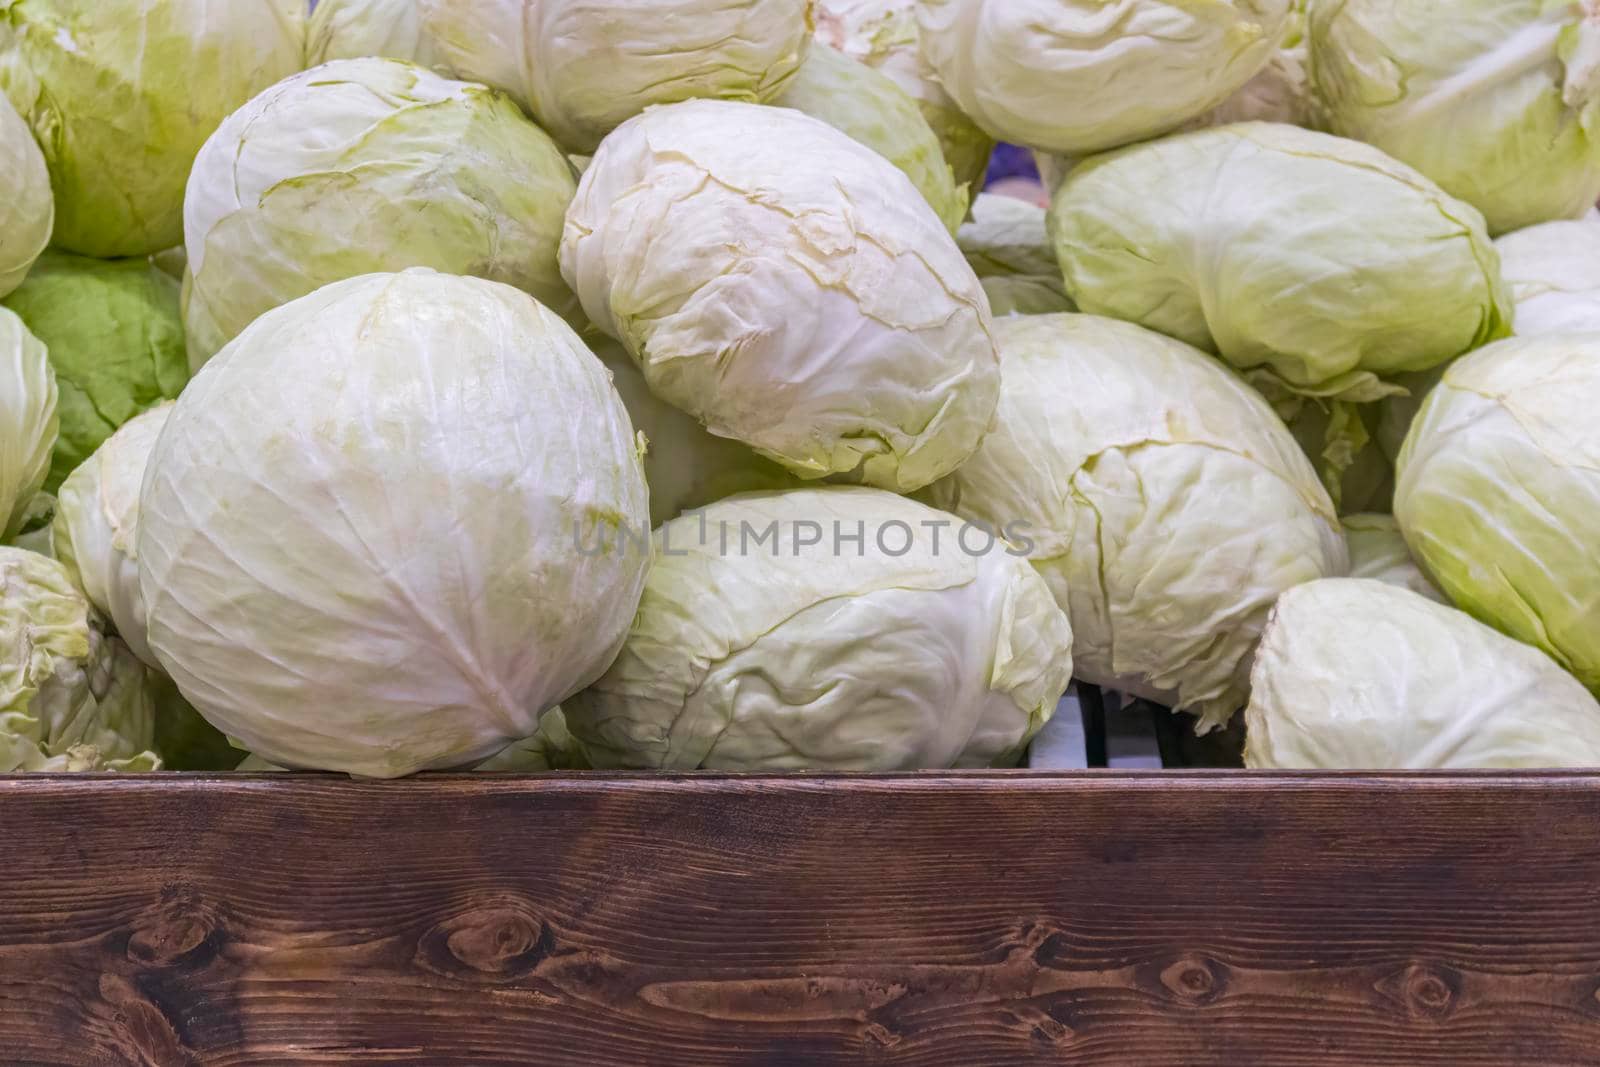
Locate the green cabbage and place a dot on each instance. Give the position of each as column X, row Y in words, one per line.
column 1162, row 499
column 350, row 29
column 883, row 35
column 1080, row 76
column 366, row 538
column 1554, row 273
column 71, row 698
column 788, row 288
column 583, row 67
column 121, row 96
column 362, row 166
column 28, row 421
column 1315, row 263
column 1009, row 247
column 115, row 337
column 868, row 106
column 1360, row 675
column 808, row 652
column 1499, row 492
column 1496, row 100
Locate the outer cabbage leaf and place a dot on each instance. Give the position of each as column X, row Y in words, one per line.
column 71, row 697
column 363, row 166
column 811, row 655
column 350, row 29
column 1009, row 247
column 1499, row 492
column 788, row 288
column 30, row 209
column 1360, row 675
column 1161, row 498
column 366, row 538
column 1256, row 242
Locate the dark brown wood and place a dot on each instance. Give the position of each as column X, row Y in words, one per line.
column 939, row 921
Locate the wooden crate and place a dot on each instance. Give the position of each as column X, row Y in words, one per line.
column 944, row 920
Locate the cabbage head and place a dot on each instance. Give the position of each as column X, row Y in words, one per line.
column 1496, row 100
column 868, row 106
column 115, row 337
column 766, row 641
column 1359, row 675
column 1378, row 551
column 1553, row 270
column 30, row 208
column 685, row 465
column 1079, row 76
column 883, row 35
column 788, row 288
column 1160, row 497
column 71, row 697
column 28, row 421
column 362, row 166
column 583, row 67
column 1008, row 245
column 96, row 526
column 122, row 95
column 393, row 487
column 1499, row 492
column 351, row 29
column 1257, row 242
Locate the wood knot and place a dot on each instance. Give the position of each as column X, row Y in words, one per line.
column 175, row 930
column 501, row 940
column 1193, row 979
column 1430, row 990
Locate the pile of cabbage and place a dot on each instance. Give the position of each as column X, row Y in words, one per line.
column 392, row 386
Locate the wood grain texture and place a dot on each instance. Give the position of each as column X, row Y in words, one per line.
column 934, row 921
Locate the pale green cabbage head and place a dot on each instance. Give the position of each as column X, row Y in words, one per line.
column 362, row 166
column 96, row 526
column 29, row 212
column 28, row 421
column 788, row 288
column 1316, row 264
column 1009, row 247
column 1496, row 100
column 685, row 465
column 1160, row 497
column 883, row 35
column 1554, row 273
column 868, row 106
column 121, row 96
column 1360, row 675
column 1378, row 551
column 71, row 697
column 115, row 338
column 805, row 652
column 350, row 29
column 394, row 486
column 1499, row 492
column 1079, row 76
column 583, row 67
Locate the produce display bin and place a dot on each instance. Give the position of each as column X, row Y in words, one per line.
column 933, row 920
